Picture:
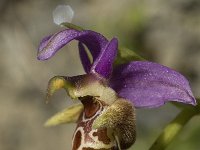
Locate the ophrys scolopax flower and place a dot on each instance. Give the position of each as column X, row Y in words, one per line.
column 109, row 96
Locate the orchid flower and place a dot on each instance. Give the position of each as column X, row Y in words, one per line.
column 109, row 95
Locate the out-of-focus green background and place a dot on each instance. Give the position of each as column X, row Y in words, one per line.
column 167, row 32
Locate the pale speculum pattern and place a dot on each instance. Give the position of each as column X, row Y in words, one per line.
column 86, row 138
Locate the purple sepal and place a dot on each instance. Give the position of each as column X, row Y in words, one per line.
column 148, row 84
column 103, row 64
column 102, row 51
column 51, row 44
column 84, row 58
column 44, row 42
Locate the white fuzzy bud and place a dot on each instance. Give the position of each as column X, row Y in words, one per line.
column 63, row 13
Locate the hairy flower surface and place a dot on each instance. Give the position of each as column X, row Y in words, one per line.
column 109, row 96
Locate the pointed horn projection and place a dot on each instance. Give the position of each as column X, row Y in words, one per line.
column 59, row 82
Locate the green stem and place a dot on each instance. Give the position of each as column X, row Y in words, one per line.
column 173, row 128
column 71, row 26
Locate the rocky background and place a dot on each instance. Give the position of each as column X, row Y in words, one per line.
column 167, row 32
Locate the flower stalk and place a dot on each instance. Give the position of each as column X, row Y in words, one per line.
column 72, row 26
column 174, row 128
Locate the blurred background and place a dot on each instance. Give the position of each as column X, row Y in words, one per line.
column 167, row 32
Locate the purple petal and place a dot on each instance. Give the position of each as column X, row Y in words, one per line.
column 84, row 58
column 93, row 40
column 148, row 84
column 103, row 64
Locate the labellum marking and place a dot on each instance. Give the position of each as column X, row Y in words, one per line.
column 86, row 138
